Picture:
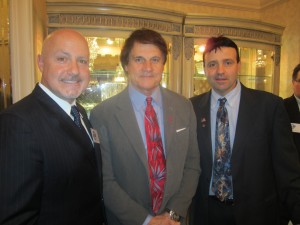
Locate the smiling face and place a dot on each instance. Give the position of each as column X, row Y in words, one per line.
column 145, row 67
column 64, row 64
column 221, row 69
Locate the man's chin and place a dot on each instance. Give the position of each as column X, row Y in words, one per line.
column 70, row 97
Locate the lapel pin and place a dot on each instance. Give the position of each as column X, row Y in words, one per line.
column 170, row 119
column 203, row 122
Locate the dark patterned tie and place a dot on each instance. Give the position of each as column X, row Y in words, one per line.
column 222, row 178
column 77, row 119
column 156, row 159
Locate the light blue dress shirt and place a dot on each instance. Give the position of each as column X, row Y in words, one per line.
column 138, row 101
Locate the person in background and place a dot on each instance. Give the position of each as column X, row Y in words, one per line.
column 248, row 159
column 50, row 167
column 148, row 141
column 292, row 105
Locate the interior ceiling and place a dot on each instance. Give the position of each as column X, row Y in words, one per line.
column 236, row 4
column 245, row 4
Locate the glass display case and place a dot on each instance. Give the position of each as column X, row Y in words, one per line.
column 107, row 75
column 258, row 44
column 107, row 26
column 257, row 69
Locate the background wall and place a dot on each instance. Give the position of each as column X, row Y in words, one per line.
column 287, row 15
column 278, row 12
column 28, row 24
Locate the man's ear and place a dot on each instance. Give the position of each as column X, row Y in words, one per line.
column 40, row 62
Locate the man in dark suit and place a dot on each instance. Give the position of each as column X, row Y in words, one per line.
column 128, row 173
column 50, row 169
column 252, row 167
column 292, row 105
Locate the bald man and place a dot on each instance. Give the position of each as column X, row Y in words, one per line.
column 50, row 166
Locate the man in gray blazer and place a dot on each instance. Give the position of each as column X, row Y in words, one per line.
column 50, row 169
column 120, row 123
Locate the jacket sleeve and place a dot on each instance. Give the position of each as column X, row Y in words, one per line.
column 20, row 172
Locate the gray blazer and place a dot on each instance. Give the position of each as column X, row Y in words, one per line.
column 125, row 166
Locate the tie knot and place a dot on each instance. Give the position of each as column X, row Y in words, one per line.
column 149, row 100
column 222, row 101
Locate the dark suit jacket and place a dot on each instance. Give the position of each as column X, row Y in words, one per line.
column 264, row 160
column 1, row 100
column 125, row 166
column 49, row 172
column 292, row 108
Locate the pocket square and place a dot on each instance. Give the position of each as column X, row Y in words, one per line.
column 181, row 129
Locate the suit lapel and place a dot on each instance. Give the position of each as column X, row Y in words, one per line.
column 64, row 123
column 204, row 131
column 245, row 121
column 169, row 120
column 126, row 117
column 295, row 115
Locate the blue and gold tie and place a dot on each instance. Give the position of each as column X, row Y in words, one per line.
column 222, row 177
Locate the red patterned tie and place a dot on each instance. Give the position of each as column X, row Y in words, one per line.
column 156, row 159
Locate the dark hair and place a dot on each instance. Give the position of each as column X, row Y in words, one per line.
column 295, row 72
column 215, row 43
column 144, row 36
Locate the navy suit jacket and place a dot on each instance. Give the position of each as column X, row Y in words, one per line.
column 49, row 172
column 292, row 108
column 264, row 160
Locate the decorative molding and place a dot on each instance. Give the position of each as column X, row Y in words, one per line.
column 4, row 42
column 251, row 6
column 64, row 19
column 277, row 55
column 188, row 48
column 237, row 33
column 189, row 29
column 176, row 46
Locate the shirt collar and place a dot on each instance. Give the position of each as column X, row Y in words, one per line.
column 66, row 106
column 231, row 96
column 297, row 99
column 138, row 99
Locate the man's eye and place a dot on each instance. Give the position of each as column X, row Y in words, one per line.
column 61, row 59
column 139, row 60
column 212, row 65
column 228, row 62
column 83, row 61
column 155, row 60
